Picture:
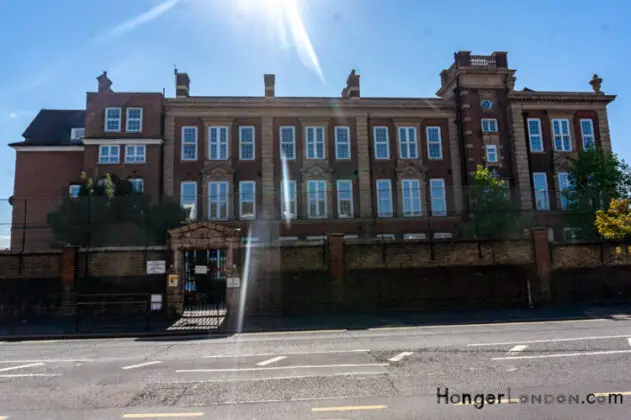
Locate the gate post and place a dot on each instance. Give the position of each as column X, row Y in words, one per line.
column 233, row 288
column 175, row 287
column 69, row 278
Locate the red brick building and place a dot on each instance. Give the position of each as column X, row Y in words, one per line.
column 302, row 167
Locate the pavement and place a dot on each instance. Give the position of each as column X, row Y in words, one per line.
column 570, row 369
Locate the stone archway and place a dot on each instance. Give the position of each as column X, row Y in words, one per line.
column 200, row 236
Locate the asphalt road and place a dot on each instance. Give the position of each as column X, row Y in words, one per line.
column 382, row 373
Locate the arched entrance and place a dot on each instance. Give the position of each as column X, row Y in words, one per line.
column 203, row 256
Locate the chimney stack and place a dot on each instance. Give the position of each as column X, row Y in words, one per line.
column 352, row 86
column 182, row 83
column 105, row 84
column 270, row 81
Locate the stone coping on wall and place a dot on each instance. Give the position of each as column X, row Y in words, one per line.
column 34, row 252
column 125, row 248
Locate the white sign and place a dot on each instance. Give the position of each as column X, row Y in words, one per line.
column 233, row 282
column 156, row 302
column 156, row 267
column 201, row 269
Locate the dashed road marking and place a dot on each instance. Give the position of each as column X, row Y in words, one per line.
column 272, row 360
column 517, row 349
column 21, row 367
column 160, row 415
column 28, row 375
column 48, row 361
column 155, row 362
column 400, row 356
column 218, row 356
column 348, row 408
column 629, row 340
column 554, row 340
column 547, row 356
column 281, row 367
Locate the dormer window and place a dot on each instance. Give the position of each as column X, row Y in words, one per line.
column 76, row 134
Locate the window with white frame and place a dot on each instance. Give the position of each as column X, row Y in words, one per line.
column 564, row 185
column 288, row 209
column 316, row 199
column 246, row 143
column 112, row 119
column 443, row 235
column 434, row 143
column 437, row 195
column 135, row 153
column 561, row 135
column 109, row 154
column 134, row 120
column 587, row 133
column 76, row 134
column 534, row 135
column 411, row 197
column 489, row 125
column 385, row 236
column 188, row 198
column 189, row 143
column 218, row 143
column 217, row 200
column 344, row 198
column 288, row 143
column 74, row 190
column 408, row 144
column 412, row 236
column 137, row 184
column 382, row 143
column 342, row 143
column 247, row 199
column 314, row 137
column 540, row 183
column 491, row 153
column 571, row 234
column 384, row 198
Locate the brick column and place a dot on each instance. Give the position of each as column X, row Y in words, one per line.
column 68, row 277
column 363, row 167
column 169, row 156
column 543, row 261
column 336, row 265
column 520, row 158
column 234, row 285
column 456, row 172
column 175, row 290
column 268, row 188
column 603, row 128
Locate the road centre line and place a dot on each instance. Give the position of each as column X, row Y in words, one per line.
column 28, row 375
column 348, row 408
column 281, row 367
column 552, row 340
column 272, row 360
column 400, row 356
column 548, row 356
column 218, row 356
column 281, row 378
column 517, row 349
column 48, row 361
column 161, row 415
column 21, row 367
column 155, row 362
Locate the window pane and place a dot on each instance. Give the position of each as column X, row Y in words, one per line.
column 381, row 142
column 384, row 198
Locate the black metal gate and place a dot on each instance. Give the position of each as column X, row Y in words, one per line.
column 204, row 281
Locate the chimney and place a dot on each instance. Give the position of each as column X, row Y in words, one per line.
column 270, row 81
column 105, row 84
column 352, row 86
column 182, row 83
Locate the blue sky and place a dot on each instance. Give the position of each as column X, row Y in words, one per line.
column 54, row 49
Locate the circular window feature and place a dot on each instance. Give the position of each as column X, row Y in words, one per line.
column 486, row 104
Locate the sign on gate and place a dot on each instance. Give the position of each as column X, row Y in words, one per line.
column 156, row 267
column 173, row 280
column 233, row 282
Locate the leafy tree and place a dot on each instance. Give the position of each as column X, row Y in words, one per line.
column 615, row 223
column 110, row 212
column 595, row 178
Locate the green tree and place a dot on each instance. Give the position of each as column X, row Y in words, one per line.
column 595, row 178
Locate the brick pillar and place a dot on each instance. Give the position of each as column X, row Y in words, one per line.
column 456, row 168
column 363, row 167
column 543, row 261
column 234, row 283
column 268, row 157
column 336, row 265
column 68, row 277
column 169, row 156
column 175, row 286
column 520, row 158
column 603, row 129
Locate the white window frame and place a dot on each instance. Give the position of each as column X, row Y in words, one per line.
column 108, row 160
column 218, row 200
column 339, row 143
column 315, row 143
column 387, row 187
column 411, row 185
column 563, row 187
column 317, row 192
column 284, row 142
column 108, row 118
column 189, row 143
column 443, row 235
column 216, row 147
column 385, row 236
column 128, row 119
column 74, row 187
column 386, row 141
column 242, row 143
column 408, row 148
column 242, row 215
column 137, row 181
column 413, row 236
column 135, row 148
column 430, row 142
column 489, row 125
column 492, row 147
column 584, row 136
column 561, row 135
column 574, row 232
column 293, row 201
column 339, row 183
column 539, row 191
column 532, row 135
column 184, row 205
column 73, row 133
column 438, row 182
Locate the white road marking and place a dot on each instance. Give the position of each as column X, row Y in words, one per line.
column 348, row 408
column 554, row 340
column 281, row 367
column 400, row 356
column 280, row 378
column 21, row 367
column 161, row 415
column 546, row 356
column 629, row 340
column 155, row 362
column 216, row 356
column 27, row 375
column 272, row 360
column 517, row 349
column 47, row 361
